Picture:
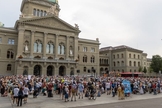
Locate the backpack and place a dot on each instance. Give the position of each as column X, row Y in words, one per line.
column 20, row 93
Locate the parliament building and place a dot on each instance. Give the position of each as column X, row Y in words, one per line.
column 40, row 43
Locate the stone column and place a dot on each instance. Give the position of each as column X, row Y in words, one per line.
column 44, row 71
column 67, row 47
column 56, row 71
column 32, row 44
column 56, row 47
column 67, row 71
column 20, row 46
column 76, row 48
column 44, row 45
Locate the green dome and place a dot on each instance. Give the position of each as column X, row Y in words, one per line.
column 54, row 1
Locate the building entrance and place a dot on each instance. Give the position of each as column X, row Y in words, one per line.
column 62, row 71
column 37, row 70
column 49, row 70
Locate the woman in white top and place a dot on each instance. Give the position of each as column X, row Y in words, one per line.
column 15, row 93
column 26, row 92
column 107, row 86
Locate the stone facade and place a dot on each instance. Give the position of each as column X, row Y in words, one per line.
column 43, row 44
column 122, row 59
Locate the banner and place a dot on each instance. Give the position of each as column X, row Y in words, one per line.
column 127, row 86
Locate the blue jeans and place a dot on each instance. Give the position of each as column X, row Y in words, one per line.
column 113, row 94
column 154, row 91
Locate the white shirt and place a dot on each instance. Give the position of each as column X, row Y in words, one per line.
column 16, row 90
column 107, row 85
column 26, row 91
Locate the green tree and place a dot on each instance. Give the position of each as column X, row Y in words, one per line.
column 140, row 69
column 156, row 63
column 144, row 70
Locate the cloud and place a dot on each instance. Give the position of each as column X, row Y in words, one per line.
column 135, row 23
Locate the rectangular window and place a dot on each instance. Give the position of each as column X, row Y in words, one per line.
column 0, row 40
column 92, row 49
column 11, row 41
column 84, row 49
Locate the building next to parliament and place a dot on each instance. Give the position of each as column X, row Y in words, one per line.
column 41, row 43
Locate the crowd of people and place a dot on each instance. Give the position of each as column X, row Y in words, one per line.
column 71, row 88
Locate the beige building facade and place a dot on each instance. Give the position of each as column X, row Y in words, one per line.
column 41, row 43
column 122, row 59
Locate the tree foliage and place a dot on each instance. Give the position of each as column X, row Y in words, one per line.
column 140, row 69
column 156, row 63
column 144, row 70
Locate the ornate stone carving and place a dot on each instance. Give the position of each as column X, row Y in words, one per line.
column 76, row 26
column 50, row 22
column 53, row 10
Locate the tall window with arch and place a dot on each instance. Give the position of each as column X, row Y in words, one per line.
column 92, row 59
column 9, row 67
column 61, row 49
column 37, row 12
column 50, row 48
column 84, row 58
column 44, row 13
column 38, row 46
column 34, row 12
column 10, row 54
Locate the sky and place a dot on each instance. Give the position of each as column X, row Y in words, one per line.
column 134, row 23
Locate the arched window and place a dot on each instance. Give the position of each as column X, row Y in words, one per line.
column 50, row 48
column 122, row 55
column 138, row 63
column 85, row 69
column 85, row 58
column 118, row 63
column 45, row 13
column 37, row 12
column 9, row 67
column 129, row 55
column 122, row 63
column 134, row 63
column 130, row 63
column 41, row 13
column 34, row 12
column 92, row 59
column 134, row 56
column 61, row 49
column 104, row 61
column 38, row 46
column 114, row 64
column 10, row 54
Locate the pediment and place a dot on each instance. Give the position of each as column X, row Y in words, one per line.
column 51, row 22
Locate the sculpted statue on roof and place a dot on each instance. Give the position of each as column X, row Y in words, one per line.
column 53, row 10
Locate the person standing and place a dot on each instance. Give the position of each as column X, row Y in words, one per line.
column 15, row 94
column 20, row 96
column 26, row 92
column 80, row 89
column 74, row 90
